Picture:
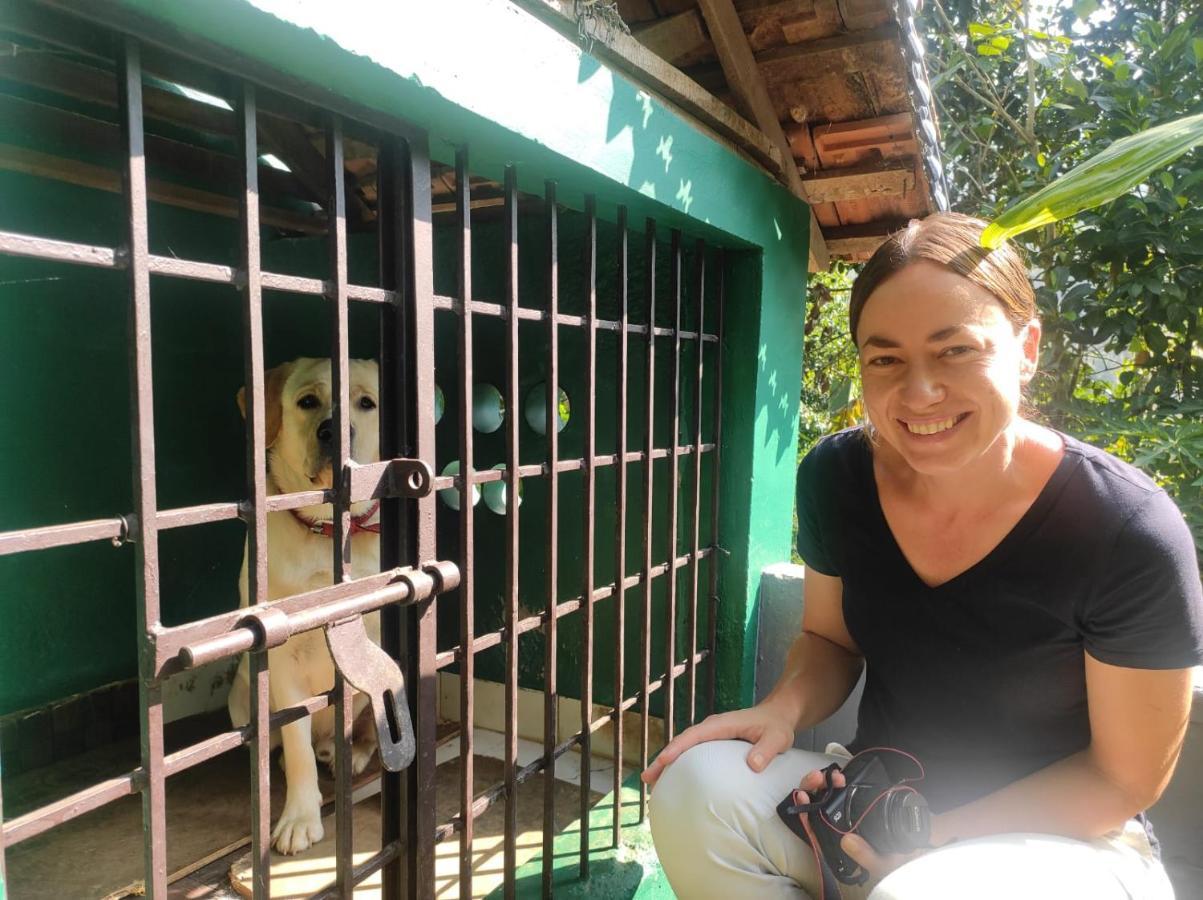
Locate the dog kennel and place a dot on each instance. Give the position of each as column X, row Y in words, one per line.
column 595, row 326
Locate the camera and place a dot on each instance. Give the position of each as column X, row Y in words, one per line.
column 886, row 811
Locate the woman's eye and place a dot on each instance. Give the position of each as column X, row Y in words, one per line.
column 309, row 401
column 881, row 362
column 367, row 403
column 956, row 351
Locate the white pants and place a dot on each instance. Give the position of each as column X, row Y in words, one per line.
column 714, row 822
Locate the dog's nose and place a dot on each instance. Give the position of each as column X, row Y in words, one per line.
column 325, row 433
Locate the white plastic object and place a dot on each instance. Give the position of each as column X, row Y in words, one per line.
column 535, row 409
column 495, row 493
column 488, row 408
column 450, row 495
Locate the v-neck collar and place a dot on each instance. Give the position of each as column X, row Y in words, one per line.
column 1031, row 518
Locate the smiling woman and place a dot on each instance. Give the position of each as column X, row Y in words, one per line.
column 1027, row 608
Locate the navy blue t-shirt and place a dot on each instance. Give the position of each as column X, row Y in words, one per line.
column 982, row 678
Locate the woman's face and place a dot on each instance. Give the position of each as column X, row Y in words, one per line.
column 942, row 366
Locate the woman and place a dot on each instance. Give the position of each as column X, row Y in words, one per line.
column 1028, row 608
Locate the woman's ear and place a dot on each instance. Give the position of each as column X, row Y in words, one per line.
column 273, row 389
column 1030, row 336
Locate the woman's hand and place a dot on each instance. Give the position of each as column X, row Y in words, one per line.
column 764, row 726
column 878, row 865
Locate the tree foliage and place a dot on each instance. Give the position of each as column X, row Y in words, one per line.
column 1026, row 92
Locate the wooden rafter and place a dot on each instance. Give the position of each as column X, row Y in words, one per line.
column 674, row 38
column 744, row 77
column 876, row 179
column 72, row 171
column 859, row 241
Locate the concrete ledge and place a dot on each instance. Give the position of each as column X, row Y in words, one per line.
column 782, row 600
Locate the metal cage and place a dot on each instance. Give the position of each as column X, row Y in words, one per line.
column 412, row 575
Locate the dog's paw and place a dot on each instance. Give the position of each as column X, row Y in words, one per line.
column 299, row 827
column 324, row 751
column 361, row 754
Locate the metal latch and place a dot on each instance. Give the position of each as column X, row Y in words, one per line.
column 367, row 668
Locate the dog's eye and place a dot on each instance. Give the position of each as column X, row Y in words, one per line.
column 309, row 401
column 366, row 402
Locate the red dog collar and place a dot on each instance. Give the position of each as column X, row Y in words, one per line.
column 358, row 523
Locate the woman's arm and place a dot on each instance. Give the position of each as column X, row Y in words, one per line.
column 820, row 671
column 1138, row 721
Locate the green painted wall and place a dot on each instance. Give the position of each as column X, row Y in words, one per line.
column 561, row 115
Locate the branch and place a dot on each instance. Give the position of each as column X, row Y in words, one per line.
column 1027, row 55
column 1028, row 137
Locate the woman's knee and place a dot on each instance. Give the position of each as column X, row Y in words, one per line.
column 697, row 783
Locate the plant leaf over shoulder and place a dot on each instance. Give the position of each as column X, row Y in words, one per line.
column 1105, row 176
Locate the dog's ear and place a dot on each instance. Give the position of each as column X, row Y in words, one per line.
column 273, row 387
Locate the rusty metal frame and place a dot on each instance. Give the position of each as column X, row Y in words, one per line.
column 404, row 594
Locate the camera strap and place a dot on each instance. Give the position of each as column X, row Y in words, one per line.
column 797, row 810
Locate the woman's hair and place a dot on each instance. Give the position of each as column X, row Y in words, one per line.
column 951, row 240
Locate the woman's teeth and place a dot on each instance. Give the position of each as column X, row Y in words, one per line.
column 931, row 427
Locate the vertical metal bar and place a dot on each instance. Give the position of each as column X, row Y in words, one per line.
column 620, row 504
column 590, row 523
column 340, row 370
column 691, row 672
column 645, row 628
column 133, row 176
column 422, row 683
column 670, row 638
column 510, row 855
column 715, row 470
column 256, row 484
column 3, row 870
column 550, row 693
column 392, row 211
column 467, row 630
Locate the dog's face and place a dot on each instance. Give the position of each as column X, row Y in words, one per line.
column 300, row 431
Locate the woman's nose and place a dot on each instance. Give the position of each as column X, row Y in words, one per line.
column 921, row 387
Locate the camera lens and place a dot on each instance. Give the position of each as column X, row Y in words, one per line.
column 906, row 820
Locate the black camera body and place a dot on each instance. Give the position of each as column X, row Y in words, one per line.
column 887, row 812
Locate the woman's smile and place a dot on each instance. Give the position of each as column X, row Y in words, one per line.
column 929, row 430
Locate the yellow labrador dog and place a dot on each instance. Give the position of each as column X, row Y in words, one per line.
column 301, row 444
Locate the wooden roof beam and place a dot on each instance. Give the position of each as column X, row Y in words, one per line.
column 674, row 38
column 861, row 241
column 877, row 179
column 744, row 77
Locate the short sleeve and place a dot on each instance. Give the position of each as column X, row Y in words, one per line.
column 1146, row 611
column 812, row 487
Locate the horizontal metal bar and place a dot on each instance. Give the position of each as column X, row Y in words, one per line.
column 534, row 470
column 122, row 528
column 364, row 870
column 564, row 608
column 39, row 820
column 170, row 641
column 15, row 244
column 407, row 586
column 499, row 311
column 35, row 822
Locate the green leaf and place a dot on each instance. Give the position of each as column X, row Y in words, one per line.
column 1073, row 85
column 1105, row 176
column 840, row 397
column 979, row 30
column 988, row 50
column 1167, row 180
column 1083, row 9
column 1197, row 47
